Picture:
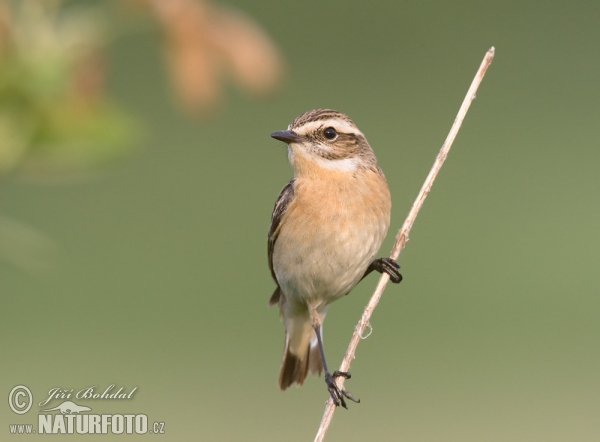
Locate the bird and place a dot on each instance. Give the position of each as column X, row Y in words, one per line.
column 327, row 225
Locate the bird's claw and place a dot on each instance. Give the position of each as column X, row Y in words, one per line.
column 337, row 394
column 389, row 266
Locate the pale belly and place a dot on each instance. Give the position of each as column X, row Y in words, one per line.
column 319, row 258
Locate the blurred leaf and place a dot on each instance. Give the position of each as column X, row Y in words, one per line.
column 206, row 43
column 74, row 141
column 55, row 117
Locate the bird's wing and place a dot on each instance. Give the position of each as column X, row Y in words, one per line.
column 286, row 196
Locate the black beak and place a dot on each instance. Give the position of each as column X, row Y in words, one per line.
column 287, row 136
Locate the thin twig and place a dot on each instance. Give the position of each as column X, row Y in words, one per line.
column 402, row 238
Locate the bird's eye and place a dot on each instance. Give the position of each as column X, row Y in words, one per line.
column 330, row 133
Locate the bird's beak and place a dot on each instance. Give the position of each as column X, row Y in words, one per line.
column 287, row 136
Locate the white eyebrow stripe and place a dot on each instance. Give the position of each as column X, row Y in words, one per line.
column 341, row 125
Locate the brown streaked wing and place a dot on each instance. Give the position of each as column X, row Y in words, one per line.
column 283, row 201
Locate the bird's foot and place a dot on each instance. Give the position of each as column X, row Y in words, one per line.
column 389, row 266
column 336, row 393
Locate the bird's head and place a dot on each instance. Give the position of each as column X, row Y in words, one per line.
column 326, row 139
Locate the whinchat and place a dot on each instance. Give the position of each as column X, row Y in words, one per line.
column 327, row 225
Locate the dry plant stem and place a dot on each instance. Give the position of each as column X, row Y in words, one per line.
column 402, row 238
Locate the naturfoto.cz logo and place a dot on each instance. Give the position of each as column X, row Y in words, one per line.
column 70, row 417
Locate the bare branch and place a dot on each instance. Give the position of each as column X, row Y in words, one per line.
column 402, row 237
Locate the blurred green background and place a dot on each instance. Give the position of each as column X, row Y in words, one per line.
column 158, row 277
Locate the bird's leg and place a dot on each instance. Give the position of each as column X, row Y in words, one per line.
column 336, row 393
column 387, row 265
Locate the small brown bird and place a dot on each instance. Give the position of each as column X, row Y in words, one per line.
column 327, row 225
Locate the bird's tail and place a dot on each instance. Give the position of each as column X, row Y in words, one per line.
column 301, row 353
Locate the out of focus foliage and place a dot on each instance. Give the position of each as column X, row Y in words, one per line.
column 55, row 116
column 206, row 43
